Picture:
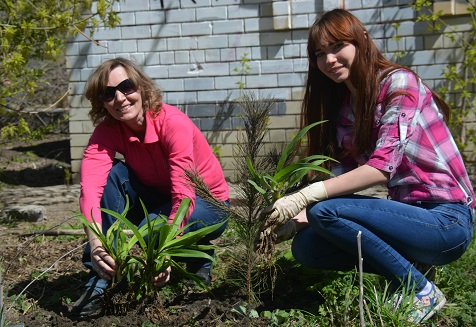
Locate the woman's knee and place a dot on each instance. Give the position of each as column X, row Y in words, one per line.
column 118, row 171
column 320, row 214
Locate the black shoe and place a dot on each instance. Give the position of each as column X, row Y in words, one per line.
column 88, row 304
column 205, row 274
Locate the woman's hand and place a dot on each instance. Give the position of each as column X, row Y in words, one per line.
column 101, row 261
column 163, row 278
column 289, row 206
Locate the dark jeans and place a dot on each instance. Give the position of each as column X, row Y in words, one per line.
column 121, row 182
column 394, row 235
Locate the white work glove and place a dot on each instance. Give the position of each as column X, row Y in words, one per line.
column 290, row 205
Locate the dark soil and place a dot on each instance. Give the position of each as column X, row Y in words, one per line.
column 46, row 300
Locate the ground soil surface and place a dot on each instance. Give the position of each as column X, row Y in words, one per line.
column 43, row 275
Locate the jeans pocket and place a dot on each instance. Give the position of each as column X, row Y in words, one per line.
column 450, row 255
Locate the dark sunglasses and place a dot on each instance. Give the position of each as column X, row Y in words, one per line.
column 126, row 87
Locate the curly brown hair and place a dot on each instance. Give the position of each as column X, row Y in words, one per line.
column 97, row 83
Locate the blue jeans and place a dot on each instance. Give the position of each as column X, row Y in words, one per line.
column 394, row 235
column 121, row 182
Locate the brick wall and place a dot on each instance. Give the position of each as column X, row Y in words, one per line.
column 193, row 52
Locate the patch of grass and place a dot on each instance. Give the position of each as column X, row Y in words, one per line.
column 308, row 297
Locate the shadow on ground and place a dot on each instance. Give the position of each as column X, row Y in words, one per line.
column 43, row 164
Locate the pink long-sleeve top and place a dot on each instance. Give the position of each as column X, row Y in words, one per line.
column 172, row 144
column 412, row 143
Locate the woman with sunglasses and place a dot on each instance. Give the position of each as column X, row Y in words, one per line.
column 159, row 143
column 384, row 127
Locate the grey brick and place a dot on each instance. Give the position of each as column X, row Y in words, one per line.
column 176, row 71
column 292, row 51
column 281, row 8
column 165, row 58
column 277, row 93
column 180, row 16
column 212, row 55
column 243, row 11
column 243, row 40
column 211, row 96
column 212, row 42
column 411, row 28
column 259, row 24
column 211, row 14
column 391, row 14
column 175, row 84
column 84, row 74
column 136, row 32
column 352, row 4
column 426, row 57
column 275, row 52
column 156, row 5
column 103, row 34
column 183, row 43
column 210, row 124
column 276, row 38
column 228, row 54
column 128, row 46
column 190, row 29
column 127, row 19
column 330, row 4
column 414, row 43
column 166, row 30
column 182, row 57
column 291, row 79
column 153, row 59
column 262, row 81
column 304, row 7
column 300, row 21
column 177, row 98
column 201, row 110
column 445, row 56
column 138, row 58
column 226, row 82
column 228, row 27
column 152, row 45
column 301, row 65
column 135, row 5
column 156, row 71
column 277, row 66
column 199, row 83
column 215, row 69
column 430, row 72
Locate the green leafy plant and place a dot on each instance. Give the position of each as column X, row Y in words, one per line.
column 460, row 77
column 243, row 70
column 159, row 243
column 286, row 176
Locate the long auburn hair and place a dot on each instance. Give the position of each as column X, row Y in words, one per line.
column 97, row 83
column 323, row 98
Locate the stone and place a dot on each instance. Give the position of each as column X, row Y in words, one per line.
column 31, row 213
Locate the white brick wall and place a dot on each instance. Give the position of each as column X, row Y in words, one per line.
column 192, row 50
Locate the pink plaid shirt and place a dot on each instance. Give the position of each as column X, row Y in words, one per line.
column 412, row 143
